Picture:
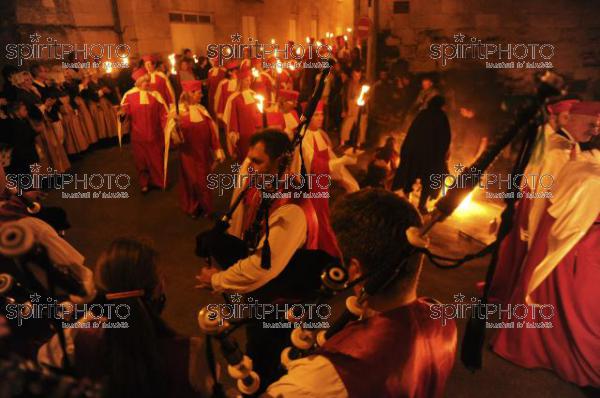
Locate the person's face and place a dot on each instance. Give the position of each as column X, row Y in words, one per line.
column 196, row 96
column 149, row 65
column 583, row 127
column 27, row 81
column 185, row 66
column 317, row 121
column 426, row 84
column 356, row 76
column 383, row 75
column 288, row 106
column 260, row 161
column 22, row 112
column 562, row 119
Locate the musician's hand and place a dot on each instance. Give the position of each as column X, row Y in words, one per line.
column 204, row 279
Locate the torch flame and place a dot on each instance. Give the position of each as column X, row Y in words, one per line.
column 348, row 30
column 278, row 67
column 172, row 61
column 255, row 73
column 260, row 102
column 272, row 41
column 108, row 67
column 126, row 61
column 307, row 40
column 345, row 37
column 363, row 91
column 195, row 59
column 464, row 205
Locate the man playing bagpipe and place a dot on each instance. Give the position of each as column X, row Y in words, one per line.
column 281, row 236
column 396, row 349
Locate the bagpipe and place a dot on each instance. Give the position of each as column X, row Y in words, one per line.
column 28, row 275
column 527, row 121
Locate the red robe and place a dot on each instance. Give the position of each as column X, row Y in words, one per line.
column 241, row 115
column 159, row 82
column 264, row 85
column 200, row 142
column 561, row 271
column 215, row 75
column 225, row 89
column 148, row 113
column 398, row 353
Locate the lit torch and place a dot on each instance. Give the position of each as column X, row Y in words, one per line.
column 108, row 67
column 172, row 61
column 255, row 73
column 126, row 61
column 260, row 104
column 360, row 101
column 195, row 59
column 307, row 40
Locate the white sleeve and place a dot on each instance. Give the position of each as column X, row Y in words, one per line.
column 287, row 234
column 62, row 254
column 313, row 376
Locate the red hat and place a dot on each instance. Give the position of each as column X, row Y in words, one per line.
column 561, row 106
column 256, row 62
column 275, row 119
column 148, row 58
column 232, row 64
column 191, row 85
column 289, row 95
column 589, row 108
column 140, row 72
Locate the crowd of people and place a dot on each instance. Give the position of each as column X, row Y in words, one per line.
column 247, row 110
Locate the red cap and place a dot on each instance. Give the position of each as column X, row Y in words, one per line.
column 191, row 85
column 589, row 108
column 256, row 62
column 232, row 64
column 275, row 119
column 289, row 95
column 148, row 58
column 561, row 106
column 140, row 72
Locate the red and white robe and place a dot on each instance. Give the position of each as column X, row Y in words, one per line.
column 199, row 149
column 151, row 127
column 225, row 89
column 160, row 82
column 215, row 75
column 242, row 118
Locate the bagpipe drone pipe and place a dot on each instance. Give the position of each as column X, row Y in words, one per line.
column 526, row 125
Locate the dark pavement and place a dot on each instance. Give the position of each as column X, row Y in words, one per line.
column 157, row 217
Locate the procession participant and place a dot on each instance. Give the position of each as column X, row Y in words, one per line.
column 199, row 149
column 53, row 135
column 407, row 352
column 292, row 225
column 159, row 81
column 150, row 131
column 322, row 163
column 145, row 359
column 351, row 109
column 242, row 117
column 284, row 116
column 548, row 158
column 263, row 84
column 226, row 87
column 21, row 140
column 560, row 270
column 107, row 96
column 425, row 151
column 215, row 75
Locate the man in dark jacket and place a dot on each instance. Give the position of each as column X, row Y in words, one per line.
column 424, row 151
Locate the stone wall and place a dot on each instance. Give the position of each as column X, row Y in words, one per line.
column 571, row 26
